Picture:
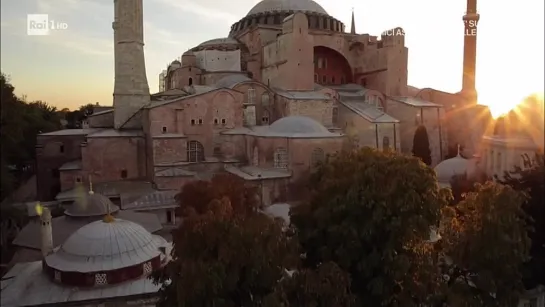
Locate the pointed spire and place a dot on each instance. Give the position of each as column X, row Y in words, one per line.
column 353, row 27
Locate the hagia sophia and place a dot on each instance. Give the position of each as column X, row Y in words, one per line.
column 288, row 86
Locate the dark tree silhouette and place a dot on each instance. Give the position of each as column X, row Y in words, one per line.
column 421, row 145
column 531, row 179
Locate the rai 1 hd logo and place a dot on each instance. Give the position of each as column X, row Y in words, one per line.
column 40, row 24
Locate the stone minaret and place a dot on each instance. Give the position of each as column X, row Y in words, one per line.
column 353, row 26
column 131, row 90
column 46, row 232
column 471, row 18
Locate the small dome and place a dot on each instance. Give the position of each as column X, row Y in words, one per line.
column 91, row 204
column 447, row 169
column 104, row 246
column 298, row 124
column 267, row 6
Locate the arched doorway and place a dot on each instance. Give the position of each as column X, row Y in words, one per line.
column 331, row 67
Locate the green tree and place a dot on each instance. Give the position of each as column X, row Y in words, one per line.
column 20, row 123
column 327, row 286
column 421, row 145
column 223, row 255
column 485, row 243
column 531, row 179
column 371, row 214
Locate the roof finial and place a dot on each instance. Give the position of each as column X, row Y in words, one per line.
column 108, row 218
column 458, row 155
column 91, row 192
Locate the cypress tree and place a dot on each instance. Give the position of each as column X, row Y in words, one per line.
column 421, row 145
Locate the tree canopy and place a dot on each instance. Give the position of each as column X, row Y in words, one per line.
column 485, row 243
column 531, row 179
column 20, row 123
column 371, row 213
column 421, row 145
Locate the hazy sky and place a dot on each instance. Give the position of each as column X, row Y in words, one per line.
column 72, row 67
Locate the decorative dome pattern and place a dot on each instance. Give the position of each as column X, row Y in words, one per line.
column 91, row 204
column 266, row 6
column 447, row 169
column 114, row 250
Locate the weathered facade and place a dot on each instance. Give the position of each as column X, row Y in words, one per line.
column 286, row 87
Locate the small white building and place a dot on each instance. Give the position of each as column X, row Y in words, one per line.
column 501, row 153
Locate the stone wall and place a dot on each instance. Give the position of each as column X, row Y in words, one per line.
column 103, row 120
column 115, row 158
column 49, row 158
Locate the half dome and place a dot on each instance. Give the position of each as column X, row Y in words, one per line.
column 91, row 205
column 267, row 6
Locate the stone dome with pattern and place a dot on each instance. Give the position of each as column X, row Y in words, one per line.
column 116, row 248
column 91, row 205
column 266, row 6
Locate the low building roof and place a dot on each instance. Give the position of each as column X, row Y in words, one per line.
column 257, row 173
column 294, row 127
column 369, row 112
column 232, row 80
column 71, row 166
column 68, row 132
column 158, row 199
column 416, row 102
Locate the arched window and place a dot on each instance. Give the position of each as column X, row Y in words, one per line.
column 281, row 158
column 265, row 99
column 190, row 81
column 385, row 143
column 335, row 116
column 265, row 117
column 317, row 156
column 195, row 151
column 255, row 157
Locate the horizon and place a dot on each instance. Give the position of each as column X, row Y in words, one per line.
column 74, row 67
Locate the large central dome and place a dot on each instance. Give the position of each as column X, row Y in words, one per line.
column 266, row 6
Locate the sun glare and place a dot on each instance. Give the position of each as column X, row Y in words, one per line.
column 502, row 101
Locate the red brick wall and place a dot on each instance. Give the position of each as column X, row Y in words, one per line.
column 107, row 157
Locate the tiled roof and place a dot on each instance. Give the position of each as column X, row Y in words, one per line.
column 158, row 199
column 369, row 112
column 67, row 132
column 416, row 102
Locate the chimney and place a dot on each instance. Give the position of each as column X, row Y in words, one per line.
column 47, row 232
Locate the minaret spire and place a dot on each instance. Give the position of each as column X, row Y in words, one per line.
column 471, row 19
column 353, row 26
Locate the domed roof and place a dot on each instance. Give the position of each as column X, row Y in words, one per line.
column 106, row 245
column 219, row 41
column 297, row 124
column 287, row 5
column 91, row 204
column 175, row 62
column 452, row 167
column 294, row 127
